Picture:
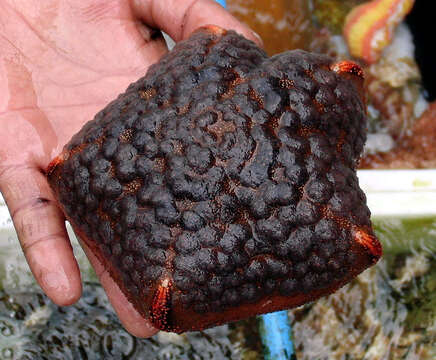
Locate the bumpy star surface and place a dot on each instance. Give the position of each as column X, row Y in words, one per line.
column 222, row 184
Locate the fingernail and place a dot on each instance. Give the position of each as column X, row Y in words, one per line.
column 257, row 36
column 57, row 281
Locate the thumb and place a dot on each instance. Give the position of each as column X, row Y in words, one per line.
column 179, row 18
column 40, row 226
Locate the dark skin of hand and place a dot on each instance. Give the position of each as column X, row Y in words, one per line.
column 60, row 63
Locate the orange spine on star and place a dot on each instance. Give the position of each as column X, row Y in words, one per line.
column 161, row 306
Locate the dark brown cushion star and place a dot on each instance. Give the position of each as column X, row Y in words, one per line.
column 222, row 184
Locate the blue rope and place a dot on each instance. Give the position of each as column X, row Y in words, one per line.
column 275, row 331
column 221, row 2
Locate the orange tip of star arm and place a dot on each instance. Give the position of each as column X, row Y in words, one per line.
column 370, row 243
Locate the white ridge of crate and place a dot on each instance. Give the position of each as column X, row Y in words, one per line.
column 390, row 193
column 399, row 193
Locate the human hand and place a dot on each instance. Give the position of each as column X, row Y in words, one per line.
column 60, row 63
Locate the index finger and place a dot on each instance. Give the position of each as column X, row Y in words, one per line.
column 179, row 18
